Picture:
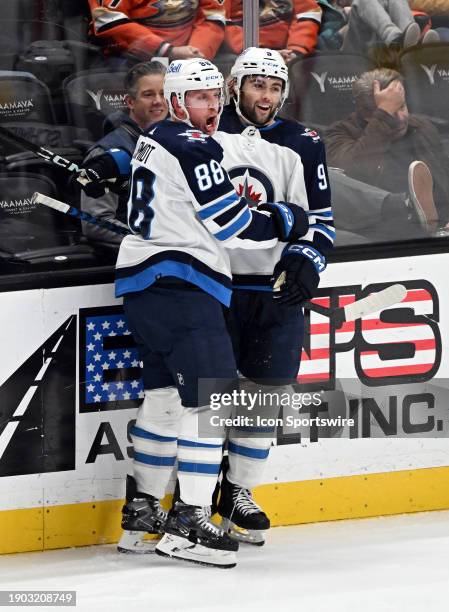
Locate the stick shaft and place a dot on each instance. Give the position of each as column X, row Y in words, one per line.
column 79, row 214
column 50, row 156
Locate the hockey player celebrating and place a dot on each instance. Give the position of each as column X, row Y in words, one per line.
column 267, row 333
column 174, row 275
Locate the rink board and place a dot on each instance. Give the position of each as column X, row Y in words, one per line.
column 64, row 434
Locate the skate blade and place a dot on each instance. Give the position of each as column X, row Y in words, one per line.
column 176, row 547
column 244, row 536
column 132, row 542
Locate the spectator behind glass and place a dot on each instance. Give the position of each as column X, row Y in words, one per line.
column 146, row 105
column 380, row 142
column 388, row 22
column 178, row 30
column 290, row 26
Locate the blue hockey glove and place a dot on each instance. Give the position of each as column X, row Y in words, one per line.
column 296, row 275
column 102, row 171
column 291, row 220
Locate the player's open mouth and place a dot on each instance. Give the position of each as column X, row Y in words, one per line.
column 211, row 124
column 264, row 109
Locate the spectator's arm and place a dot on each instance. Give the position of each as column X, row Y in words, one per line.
column 105, row 208
column 209, row 27
column 234, row 32
column 115, row 24
column 305, row 25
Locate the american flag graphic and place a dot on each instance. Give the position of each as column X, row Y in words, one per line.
column 379, row 342
column 110, row 369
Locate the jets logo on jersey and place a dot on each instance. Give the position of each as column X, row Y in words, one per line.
column 253, row 184
column 194, row 135
column 312, row 134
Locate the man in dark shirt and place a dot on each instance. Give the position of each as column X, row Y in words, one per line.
column 379, row 143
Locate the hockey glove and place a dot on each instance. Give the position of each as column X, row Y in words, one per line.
column 103, row 170
column 296, row 277
column 291, row 220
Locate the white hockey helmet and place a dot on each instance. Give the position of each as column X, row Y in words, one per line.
column 187, row 75
column 263, row 62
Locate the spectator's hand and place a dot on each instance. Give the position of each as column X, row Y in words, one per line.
column 288, row 55
column 390, row 99
column 185, row 52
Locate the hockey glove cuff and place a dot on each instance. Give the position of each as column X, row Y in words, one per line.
column 296, row 275
column 113, row 164
column 291, row 220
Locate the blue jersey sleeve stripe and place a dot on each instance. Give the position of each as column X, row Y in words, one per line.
column 122, row 159
column 314, row 213
column 323, row 228
column 243, row 220
column 218, row 206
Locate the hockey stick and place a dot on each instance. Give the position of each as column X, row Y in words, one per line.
column 46, row 154
column 367, row 305
column 39, row 198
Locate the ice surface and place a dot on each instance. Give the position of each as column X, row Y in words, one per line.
column 397, row 564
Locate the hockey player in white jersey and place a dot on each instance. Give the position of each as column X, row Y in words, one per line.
column 267, row 333
column 174, row 275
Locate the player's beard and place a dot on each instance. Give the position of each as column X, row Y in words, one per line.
column 250, row 113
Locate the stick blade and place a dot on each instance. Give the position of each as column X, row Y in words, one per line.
column 40, row 198
column 375, row 302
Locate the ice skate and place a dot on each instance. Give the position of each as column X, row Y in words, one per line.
column 242, row 518
column 141, row 514
column 191, row 536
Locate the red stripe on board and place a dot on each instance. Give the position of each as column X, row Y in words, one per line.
column 312, row 377
column 420, row 345
column 417, row 295
column 421, row 368
column 324, row 328
column 369, row 324
column 322, row 353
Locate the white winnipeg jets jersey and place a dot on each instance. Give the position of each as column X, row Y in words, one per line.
column 183, row 210
column 261, row 172
column 273, row 175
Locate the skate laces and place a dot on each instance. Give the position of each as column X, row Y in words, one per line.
column 243, row 499
column 154, row 505
column 203, row 515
